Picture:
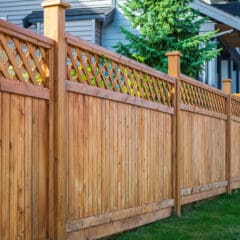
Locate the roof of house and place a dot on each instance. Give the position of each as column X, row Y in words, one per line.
column 102, row 14
column 226, row 16
column 232, row 8
column 220, row 15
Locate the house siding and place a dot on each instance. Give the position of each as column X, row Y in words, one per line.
column 112, row 34
column 15, row 10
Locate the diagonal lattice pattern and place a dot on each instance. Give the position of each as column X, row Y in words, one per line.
column 235, row 102
column 199, row 95
column 96, row 69
column 23, row 61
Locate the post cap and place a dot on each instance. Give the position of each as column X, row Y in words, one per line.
column 174, row 53
column 227, row 80
column 51, row 3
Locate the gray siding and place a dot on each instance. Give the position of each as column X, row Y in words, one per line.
column 82, row 29
column 112, row 33
column 16, row 10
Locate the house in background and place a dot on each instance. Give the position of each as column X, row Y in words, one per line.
column 224, row 16
column 99, row 21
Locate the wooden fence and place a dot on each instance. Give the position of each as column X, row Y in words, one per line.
column 93, row 143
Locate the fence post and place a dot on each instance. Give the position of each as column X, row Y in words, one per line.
column 54, row 28
column 227, row 88
column 174, row 70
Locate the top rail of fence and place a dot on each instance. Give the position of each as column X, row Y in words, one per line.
column 25, row 34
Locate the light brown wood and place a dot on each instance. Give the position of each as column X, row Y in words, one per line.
column 51, row 170
column 94, row 69
column 108, row 149
column 28, row 168
column 204, row 149
column 235, row 158
column 77, row 225
column 207, row 187
column 105, row 94
column 13, row 167
column 126, row 183
column 78, row 42
column 204, row 112
column 227, row 88
column 25, row 34
column 22, row 88
column 174, row 70
column 5, row 204
column 1, row 191
column 202, row 195
column 119, row 226
column 54, row 28
column 235, row 185
column 35, row 167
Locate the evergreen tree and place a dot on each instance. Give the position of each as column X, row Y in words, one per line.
column 166, row 25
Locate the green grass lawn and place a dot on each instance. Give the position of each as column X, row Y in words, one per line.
column 216, row 219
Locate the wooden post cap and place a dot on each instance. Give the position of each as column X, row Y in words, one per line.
column 174, row 59
column 174, row 53
column 51, row 3
column 227, row 85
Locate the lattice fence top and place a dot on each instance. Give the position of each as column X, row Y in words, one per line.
column 22, row 58
column 100, row 69
column 200, row 95
column 235, row 101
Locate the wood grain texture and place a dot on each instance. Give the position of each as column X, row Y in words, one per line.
column 235, row 157
column 24, row 154
column 102, row 230
column 114, row 161
column 203, row 150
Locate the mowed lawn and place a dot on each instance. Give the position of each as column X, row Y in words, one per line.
column 216, row 219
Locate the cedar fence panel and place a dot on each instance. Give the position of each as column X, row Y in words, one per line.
column 203, row 146
column 119, row 143
column 235, row 138
column 24, row 133
column 139, row 143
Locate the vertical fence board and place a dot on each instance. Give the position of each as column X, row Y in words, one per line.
column 28, row 168
column 1, row 165
column 13, row 165
column 5, row 126
column 35, row 168
column 43, row 167
column 20, row 168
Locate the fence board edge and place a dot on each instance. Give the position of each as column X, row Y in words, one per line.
column 115, row 96
column 193, row 109
column 22, row 88
column 202, row 195
column 80, row 224
column 25, row 34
